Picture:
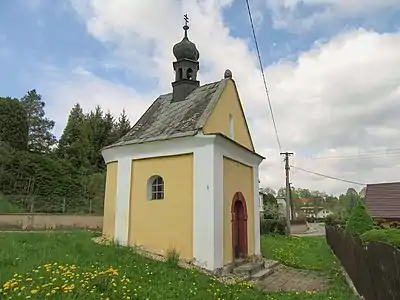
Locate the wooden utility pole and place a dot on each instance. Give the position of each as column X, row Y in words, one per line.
column 291, row 202
column 288, row 192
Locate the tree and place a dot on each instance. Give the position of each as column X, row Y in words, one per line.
column 281, row 192
column 269, row 199
column 99, row 127
column 268, row 190
column 13, row 124
column 73, row 144
column 362, row 192
column 303, row 193
column 123, row 126
column 40, row 138
column 349, row 200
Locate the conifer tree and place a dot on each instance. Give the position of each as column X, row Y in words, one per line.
column 73, row 144
column 40, row 137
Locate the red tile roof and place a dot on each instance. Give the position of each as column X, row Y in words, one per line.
column 383, row 199
column 304, row 200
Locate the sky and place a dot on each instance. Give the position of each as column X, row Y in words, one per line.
column 332, row 69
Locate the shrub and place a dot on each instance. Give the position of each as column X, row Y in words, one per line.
column 273, row 226
column 379, row 223
column 335, row 220
column 359, row 221
column 7, row 206
column 272, row 212
column 389, row 236
column 394, row 224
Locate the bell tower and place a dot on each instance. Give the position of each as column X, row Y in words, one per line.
column 186, row 66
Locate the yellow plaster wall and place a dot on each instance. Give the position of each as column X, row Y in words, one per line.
column 237, row 178
column 109, row 201
column 159, row 225
column 218, row 122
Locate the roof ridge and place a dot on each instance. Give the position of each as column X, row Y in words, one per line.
column 382, row 183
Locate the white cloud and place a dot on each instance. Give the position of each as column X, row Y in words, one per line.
column 290, row 13
column 80, row 86
column 342, row 95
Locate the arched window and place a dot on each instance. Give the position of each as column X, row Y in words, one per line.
column 189, row 74
column 180, row 73
column 155, row 188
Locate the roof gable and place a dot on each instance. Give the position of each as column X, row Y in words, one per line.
column 229, row 106
column 383, row 199
column 165, row 119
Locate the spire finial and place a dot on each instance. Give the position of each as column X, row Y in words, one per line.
column 186, row 27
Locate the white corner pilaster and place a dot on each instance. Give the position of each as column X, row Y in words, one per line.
column 257, row 237
column 123, row 201
column 205, row 243
column 218, row 207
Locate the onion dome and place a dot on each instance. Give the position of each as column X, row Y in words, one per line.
column 185, row 49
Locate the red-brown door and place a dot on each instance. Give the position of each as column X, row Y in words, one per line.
column 239, row 226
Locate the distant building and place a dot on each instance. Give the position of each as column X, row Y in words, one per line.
column 383, row 200
column 306, row 207
column 323, row 213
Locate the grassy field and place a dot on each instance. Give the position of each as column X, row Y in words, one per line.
column 311, row 253
column 71, row 266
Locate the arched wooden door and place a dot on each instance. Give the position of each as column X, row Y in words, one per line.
column 239, row 226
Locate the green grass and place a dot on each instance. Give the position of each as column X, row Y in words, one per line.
column 310, row 253
column 63, row 265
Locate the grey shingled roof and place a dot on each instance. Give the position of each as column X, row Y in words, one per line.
column 383, row 200
column 165, row 119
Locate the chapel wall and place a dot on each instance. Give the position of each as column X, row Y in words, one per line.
column 159, row 225
column 110, row 200
column 238, row 177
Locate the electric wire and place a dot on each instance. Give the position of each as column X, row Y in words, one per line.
column 328, row 176
column 263, row 75
column 364, row 155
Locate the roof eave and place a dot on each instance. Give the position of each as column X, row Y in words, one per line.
column 149, row 140
column 236, row 143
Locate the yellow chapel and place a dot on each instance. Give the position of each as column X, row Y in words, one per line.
column 186, row 176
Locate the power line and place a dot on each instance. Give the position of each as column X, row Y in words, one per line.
column 263, row 75
column 366, row 155
column 354, row 157
column 330, row 177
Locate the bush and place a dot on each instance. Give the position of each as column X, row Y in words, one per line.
column 272, row 212
column 359, row 221
column 394, row 224
column 335, row 220
column 380, row 223
column 389, row 236
column 273, row 226
column 6, row 205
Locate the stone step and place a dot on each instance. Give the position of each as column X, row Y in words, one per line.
column 270, row 264
column 262, row 274
column 248, row 269
column 240, row 262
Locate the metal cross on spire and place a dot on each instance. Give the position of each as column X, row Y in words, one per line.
column 186, row 27
column 186, row 18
